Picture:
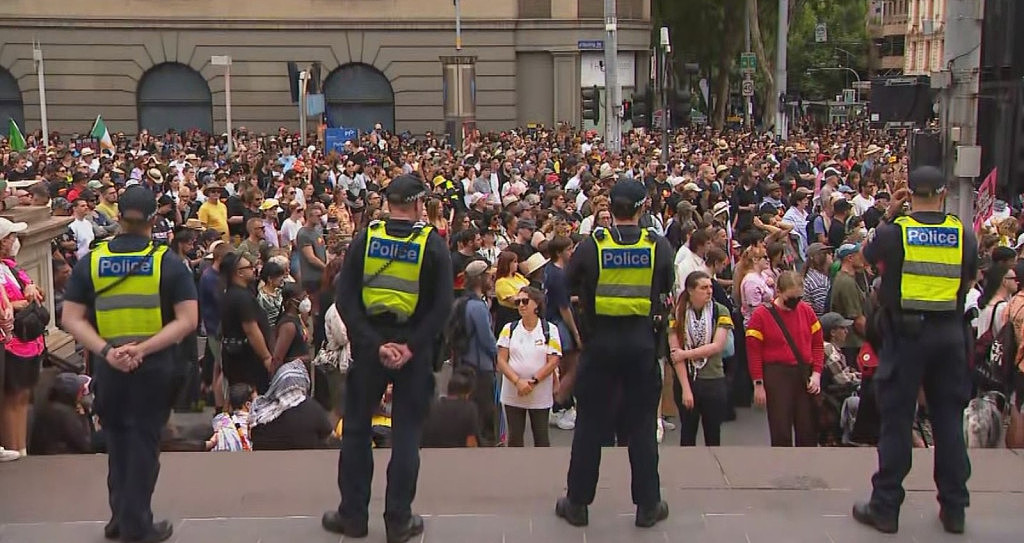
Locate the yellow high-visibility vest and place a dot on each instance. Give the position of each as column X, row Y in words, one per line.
column 391, row 271
column 933, row 257
column 625, row 274
column 130, row 309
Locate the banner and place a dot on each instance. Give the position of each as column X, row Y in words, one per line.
column 985, row 201
column 335, row 139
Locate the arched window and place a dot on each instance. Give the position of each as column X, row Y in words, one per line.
column 173, row 95
column 10, row 101
column 359, row 96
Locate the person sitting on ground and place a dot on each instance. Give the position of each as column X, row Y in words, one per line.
column 62, row 423
column 232, row 429
column 454, row 420
column 286, row 417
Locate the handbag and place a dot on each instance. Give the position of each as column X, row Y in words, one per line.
column 805, row 368
column 29, row 322
column 326, row 357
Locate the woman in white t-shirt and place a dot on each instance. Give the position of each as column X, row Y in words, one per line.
column 527, row 358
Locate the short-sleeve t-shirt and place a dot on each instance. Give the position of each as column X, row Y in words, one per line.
column 507, row 287
column 848, row 299
column 310, row 237
column 556, row 282
column 240, row 306
column 527, row 354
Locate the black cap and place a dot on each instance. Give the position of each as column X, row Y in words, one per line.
column 164, row 200
column 405, row 189
column 926, row 180
column 138, row 200
column 630, row 191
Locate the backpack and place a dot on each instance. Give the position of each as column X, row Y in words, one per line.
column 543, row 326
column 456, row 333
column 990, row 354
column 811, row 237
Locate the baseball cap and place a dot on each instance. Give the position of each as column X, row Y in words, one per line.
column 926, row 180
column 629, row 191
column 406, row 188
column 526, row 223
column 847, row 249
column 845, row 189
column 138, row 201
column 818, row 248
column 71, row 384
column 476, row 268
column 7, row 227
column 832, row 320
column 693, row 186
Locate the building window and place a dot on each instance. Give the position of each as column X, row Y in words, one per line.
column 535, row 9
column 11, row 106
column 173, row 95
column 359, row 96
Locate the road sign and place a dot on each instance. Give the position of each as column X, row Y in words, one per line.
column 590, row 45
column 748, row 63
column 849, row 95
column 748, row 87
column 821, row 33
column 336, row 138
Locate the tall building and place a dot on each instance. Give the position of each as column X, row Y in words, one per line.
column 925, row 37
column 148, row 63
column 887, row 27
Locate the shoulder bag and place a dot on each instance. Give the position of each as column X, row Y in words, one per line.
column 805, row 368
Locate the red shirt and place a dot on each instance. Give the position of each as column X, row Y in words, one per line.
column 767, row 344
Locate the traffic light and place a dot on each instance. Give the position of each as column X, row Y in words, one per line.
column 640, row 108
column 591, row 99
column 680, row 99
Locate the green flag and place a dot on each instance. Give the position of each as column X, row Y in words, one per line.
column 99, row 131
column 14, row 137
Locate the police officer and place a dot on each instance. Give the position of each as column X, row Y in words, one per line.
column 624, row 275
column 927, row 260
column 394, row 293
column 129, row 302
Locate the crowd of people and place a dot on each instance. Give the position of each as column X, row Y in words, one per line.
column 773, row 298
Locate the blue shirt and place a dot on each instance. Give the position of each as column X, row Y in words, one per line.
column 209, row 301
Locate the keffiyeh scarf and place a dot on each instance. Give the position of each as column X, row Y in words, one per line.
column 288, row 388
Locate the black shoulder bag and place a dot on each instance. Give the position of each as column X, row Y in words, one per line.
column 805, row 368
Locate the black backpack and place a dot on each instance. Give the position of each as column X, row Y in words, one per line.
column 456, row 334
column 811, row 237
column 543, row 326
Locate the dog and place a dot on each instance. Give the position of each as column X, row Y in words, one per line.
column 983, row 420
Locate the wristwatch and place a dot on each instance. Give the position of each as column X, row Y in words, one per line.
column 758, row 382
column 106, row 350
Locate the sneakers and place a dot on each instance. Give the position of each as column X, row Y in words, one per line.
column 660, row 433
column 9, row 456
column 563, row 420
column 668, row 424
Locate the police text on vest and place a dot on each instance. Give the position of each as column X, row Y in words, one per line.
column 399, row 251
column 120, row 266
column 625, row 258
column 932, row 236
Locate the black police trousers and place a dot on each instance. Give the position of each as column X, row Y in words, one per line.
column 935, row 358
column 623, row 357
column 366, row 382
column 133, row 409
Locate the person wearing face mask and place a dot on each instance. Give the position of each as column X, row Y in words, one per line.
column 292, row 341
column 269, row 294
column 785, row 354
column 395, row 293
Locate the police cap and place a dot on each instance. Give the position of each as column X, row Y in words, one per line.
column 137, row 202
column 405, row 189
column 630, row 191
column 926, row 180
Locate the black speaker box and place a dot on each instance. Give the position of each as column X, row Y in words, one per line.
column 900, row 100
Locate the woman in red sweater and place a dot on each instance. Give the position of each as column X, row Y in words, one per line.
column 781, row 380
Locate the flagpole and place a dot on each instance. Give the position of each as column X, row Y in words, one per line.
column 37, row 55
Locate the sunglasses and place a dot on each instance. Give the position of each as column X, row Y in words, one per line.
column 521, row 301
column 240, row 268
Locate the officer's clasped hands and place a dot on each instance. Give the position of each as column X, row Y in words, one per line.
column 126, row 358
column 394, row 355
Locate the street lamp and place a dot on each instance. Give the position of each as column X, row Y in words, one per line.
column 854, row 72
column 225, row 61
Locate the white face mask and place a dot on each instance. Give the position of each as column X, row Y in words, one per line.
column 305, row 306
column 16, row 246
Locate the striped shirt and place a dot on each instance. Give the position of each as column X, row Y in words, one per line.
column 816, row 287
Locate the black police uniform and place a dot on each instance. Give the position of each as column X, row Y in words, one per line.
column 918, row 349
column 134, row 407
column 621, row 352
column 368, row 379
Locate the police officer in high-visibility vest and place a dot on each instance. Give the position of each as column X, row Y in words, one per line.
column 394, row 293
column 129, row 302
column 623, row 275
column 927, row 260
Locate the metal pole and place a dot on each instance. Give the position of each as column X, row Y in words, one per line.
column 962, row 57
column 458, row 25
column 303, row 76
column 37, row 55
column 613, row 94
column 227, row 108
column 749, row 105
column 663, row 72
column 781, row 130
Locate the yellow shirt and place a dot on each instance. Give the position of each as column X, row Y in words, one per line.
column 507, row 287
column 110, row 210
column 215, row 216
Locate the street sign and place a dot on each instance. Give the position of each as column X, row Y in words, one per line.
column 336, row 138
column 590, row 45
column 220, row 60
column 849, row 95
column 821, row 33
column 748, row 63
column 748, row 87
